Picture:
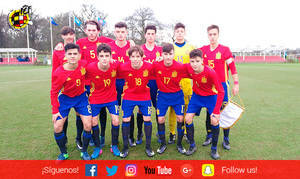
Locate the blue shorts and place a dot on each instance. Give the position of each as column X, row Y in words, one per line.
column 119, row 87
column 128, row 107
column 164, row 100
column 153, row 91
column 112, row 107
column 87, row 89
column 79, row 103
column 197, row 102
column 225, row 87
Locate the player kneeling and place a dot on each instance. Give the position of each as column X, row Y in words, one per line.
column 136, row 93
column 208, row 93
column 69, row 79
column 102, row 75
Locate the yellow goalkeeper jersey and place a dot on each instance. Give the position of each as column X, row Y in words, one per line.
column 182, row 55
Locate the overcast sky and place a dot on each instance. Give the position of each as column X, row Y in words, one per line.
column 243, row 23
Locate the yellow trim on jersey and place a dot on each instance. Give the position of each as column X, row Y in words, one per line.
column 226, row 72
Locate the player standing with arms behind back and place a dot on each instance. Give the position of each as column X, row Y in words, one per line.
column 219, row 58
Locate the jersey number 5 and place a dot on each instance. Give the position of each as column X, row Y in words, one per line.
column 92, row 53
column 211, row 63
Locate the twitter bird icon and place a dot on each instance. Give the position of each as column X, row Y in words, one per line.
column 111, row 171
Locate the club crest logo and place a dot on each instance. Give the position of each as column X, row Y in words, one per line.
column 113, row 73
column 218, row 55
column 20, row 18
column 174, row 74
column 145, row 73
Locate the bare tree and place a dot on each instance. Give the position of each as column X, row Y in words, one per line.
column 138, row 21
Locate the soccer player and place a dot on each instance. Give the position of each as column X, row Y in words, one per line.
column 102, row 75
column 136, row 93
column 69, row 79
column 58, row 59
column 88, row 46
column 181, row 50
column 168, row 74
column 208, row 93
column 219, row 58
column 119, row 49
column 151, row 53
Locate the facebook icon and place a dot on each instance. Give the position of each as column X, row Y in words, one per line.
column 90, row 170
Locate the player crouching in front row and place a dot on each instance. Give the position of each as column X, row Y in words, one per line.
column 136, row 93
column 103, row 75
column 208, row 93
column 69, row 79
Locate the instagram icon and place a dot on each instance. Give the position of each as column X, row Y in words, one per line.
column 130, row 170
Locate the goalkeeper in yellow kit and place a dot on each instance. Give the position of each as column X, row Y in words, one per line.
column 182, row 50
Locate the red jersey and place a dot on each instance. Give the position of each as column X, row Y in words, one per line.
column 150, row 56
column 168, row 78
column 103, row 83
column 58, row 59
column 136, row 81
column 118, row 53
column 71, row 83
column 88, row 49
column 207, row 83
column 216, row 59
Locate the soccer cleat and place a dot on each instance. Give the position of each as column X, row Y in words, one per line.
column 124, row 153
column 79, row 144
column 102, row 141
column 131, row 142
column 92, row 142
column 207, row 141
column 162, row 148
column 226, row 145
column 191, row 150
column 214, row 155
column 85, row 156
column 172, row 138
column 96, row 153
column 180, row 149
column 115, row 150
column 63, row 156
column 149, row 152
column 139, row 139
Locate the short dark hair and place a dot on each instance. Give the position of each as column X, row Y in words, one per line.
column 135, row 49
column 103, row 47
column 67, row 30
column 213, row 27
column 196, row 53
column 71, row 46
column 92, row 22
column 179, row 25
column 121, row 25
column 167, row 47
column 150, row 27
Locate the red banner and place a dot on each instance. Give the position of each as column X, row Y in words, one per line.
column 150, row 169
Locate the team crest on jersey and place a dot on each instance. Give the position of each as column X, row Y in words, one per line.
column 174, row 74
column 129, row 74
column 97, row 77
column 157, row 54
column 218, row 55
column 113, row 73
column 84, row 47
column 113, row 52
column 82, row 71
column 159, row 72
column 68, row 79
column 145, row 73
column 98, row 43
column 203, row 79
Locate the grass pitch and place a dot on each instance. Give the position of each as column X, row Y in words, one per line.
column 269, row 128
